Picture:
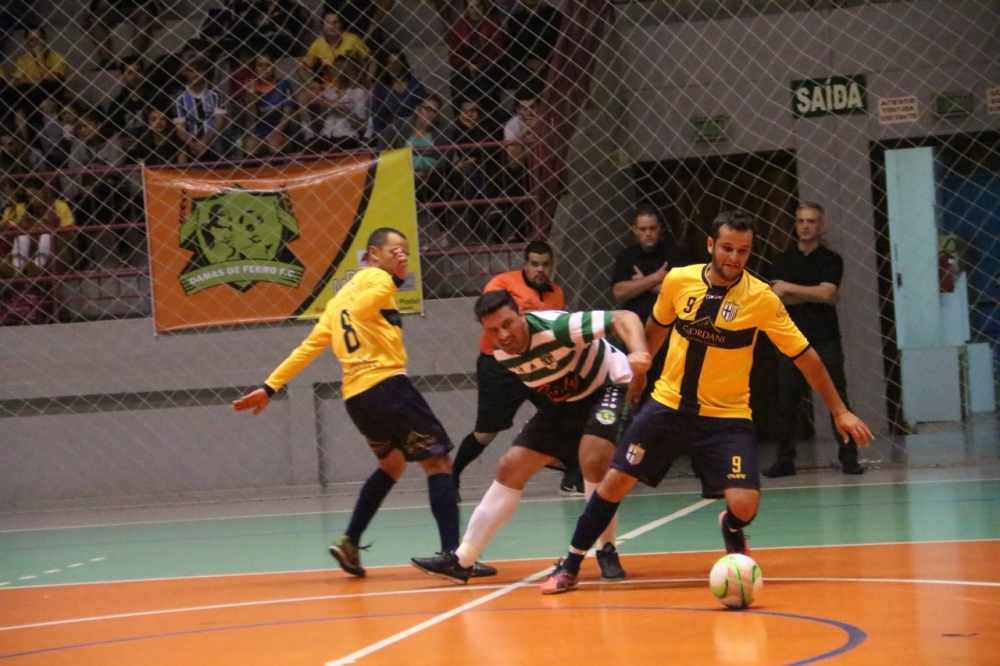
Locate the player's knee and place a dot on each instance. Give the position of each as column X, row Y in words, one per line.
column 484, row 438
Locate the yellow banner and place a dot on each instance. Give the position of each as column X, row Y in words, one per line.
column 271, row 243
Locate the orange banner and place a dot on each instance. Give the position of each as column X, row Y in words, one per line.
column 270, row 243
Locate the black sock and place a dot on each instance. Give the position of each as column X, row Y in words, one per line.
column 441, row 489
column 468, row 450
column 595, row 519
column 732, row 523
column 370, row 499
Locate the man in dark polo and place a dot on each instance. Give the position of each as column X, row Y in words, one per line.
column 639, row 271
column 807, row 280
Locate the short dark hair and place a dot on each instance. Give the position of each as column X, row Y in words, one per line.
column 380, row 236
column 492, row 301
column 737, row 220
column 646, row 209
column 537, row 247
column 813, row 205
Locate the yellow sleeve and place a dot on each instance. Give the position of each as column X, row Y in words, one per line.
column 354, row 43
column 57, row 63
column 663, row 310
column 303, row 355
column 21, row 66
column 64, row 213
column 779, row 326
column 315, row 53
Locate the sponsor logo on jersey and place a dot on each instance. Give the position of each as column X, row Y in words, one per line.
column 548, row 360
column 729, row 310
column 635, row 454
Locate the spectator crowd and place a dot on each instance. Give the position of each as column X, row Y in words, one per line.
column 70, row 193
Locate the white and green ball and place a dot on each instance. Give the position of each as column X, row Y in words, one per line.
column 736, row 581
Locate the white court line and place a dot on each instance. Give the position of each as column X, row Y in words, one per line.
column 354, row 656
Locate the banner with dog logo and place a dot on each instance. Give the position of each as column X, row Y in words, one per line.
column 271, row 243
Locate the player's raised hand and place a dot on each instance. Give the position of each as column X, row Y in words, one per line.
column 849, row 424
column 635, row 389
column 256, row 400
column 400, row 260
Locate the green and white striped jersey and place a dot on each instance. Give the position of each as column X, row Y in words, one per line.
column 568, row 357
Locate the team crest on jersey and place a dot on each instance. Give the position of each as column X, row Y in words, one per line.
column 635, row 454
column 548, row 360
column 605, row 416
column 729, row 310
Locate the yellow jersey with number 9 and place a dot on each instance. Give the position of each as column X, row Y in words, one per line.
column 363, row 325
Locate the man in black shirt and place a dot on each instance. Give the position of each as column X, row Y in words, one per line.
column 807, row 279
column 639, row 271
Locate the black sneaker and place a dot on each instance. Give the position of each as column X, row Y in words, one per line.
column 611, row 566
column 852, row 467
column 736, row 542
column 444, row 565
column 480, row 570
column 779, row 469
column 572, row 484
column 347, row 555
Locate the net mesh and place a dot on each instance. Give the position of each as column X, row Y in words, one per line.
column 526, row 122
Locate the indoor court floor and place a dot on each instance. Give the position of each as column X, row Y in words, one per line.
column 899, row 566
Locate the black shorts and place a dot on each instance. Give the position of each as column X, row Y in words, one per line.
column 501, row 394
column 393, row 415
column 556, row 428
column 723, row 451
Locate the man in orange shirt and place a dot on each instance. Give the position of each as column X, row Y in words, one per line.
column 501, row 392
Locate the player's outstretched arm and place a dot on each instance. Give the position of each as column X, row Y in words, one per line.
column 847, row 423
column 257, row 400
column 627, row 326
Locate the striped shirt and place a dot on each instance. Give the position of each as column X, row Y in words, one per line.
column 198, row 111
column 568, row 357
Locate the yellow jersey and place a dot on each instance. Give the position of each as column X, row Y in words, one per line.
column 321, row 50
column 363, row 325
column 707, row 371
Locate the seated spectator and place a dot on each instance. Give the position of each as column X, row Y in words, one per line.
column 200, row 113
column 346, row 108
column 227, row 29
column 39, row 72
column 311, row 112
column 372, row 20
column 159, row 144
column 271, row 104
column 517, row 135
column 332, row 42
column 51, row 140
column 35, row 249
column 424, row 133
column 16, row 15
column 476, row 44
column 103, row 16
column 471, row 169
column 532, row 31
column 16, row 158
column 126, row 112
column 396, row 93
column 274, row 26
column 99, row 195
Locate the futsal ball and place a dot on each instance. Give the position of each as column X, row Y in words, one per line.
column 735, row 580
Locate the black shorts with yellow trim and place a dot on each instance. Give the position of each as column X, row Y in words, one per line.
column 393, row 415
column 556, row 428
column 723, row 451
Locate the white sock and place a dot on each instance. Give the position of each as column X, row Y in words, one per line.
column 20, row 252
column 608, row 535
column 41, row 258
column 497, row 507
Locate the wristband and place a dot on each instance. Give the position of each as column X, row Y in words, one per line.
column 268, row 390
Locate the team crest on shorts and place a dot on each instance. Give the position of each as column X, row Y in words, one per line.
column 635, row 454
column 729, row 310
column 605, row 416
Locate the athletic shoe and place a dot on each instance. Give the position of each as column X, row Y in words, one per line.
column 852, row 467
column 572, row 484
column 480, row 570
column 779, row 469
column 560, row 581
column 736, row 542
column 611, row 566
column 444, row 565
column 348, row 556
